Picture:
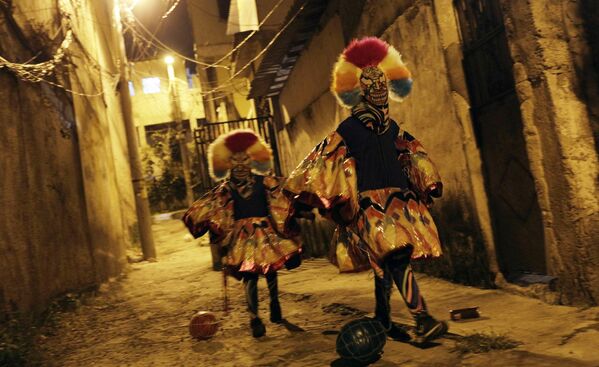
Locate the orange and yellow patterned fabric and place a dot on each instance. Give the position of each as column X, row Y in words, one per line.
column 326, row 180
column 281, row 207
column 387, row 219
column 212, row 212
column 255, row 244
column 423, row 174
column 256, row 247
column 391, row 222
column 348, row 252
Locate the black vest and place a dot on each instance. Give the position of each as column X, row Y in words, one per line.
column 376, row 156
column 256, row 205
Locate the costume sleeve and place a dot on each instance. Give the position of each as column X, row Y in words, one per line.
column 281, row 207
column 212, row 212
column 326, row 179
column 423, row 175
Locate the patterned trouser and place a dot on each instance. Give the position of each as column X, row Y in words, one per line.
column 250, row 280
column 397, row 269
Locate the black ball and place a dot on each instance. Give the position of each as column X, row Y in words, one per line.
column 361, row 340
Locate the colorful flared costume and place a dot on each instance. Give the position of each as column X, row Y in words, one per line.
column 249, row 217
column 374, row 180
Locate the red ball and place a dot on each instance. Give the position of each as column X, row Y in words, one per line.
column 203, row 325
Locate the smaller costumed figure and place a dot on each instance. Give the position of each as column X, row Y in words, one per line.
column 248, row 217
column 376, row 182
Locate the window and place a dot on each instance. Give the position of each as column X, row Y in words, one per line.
column 150, row 85
column 189, row 78
column 131, row 88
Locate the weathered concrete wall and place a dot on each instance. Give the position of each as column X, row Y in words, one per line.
column 589, row 10
column 68, row 207
column 310, row 110
column 544, row 39
column 430, row 115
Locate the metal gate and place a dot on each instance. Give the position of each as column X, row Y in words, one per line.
column 207, row 132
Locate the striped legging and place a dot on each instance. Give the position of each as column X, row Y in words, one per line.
column 397, row 269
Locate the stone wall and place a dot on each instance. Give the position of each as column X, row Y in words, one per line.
column 67, row 199
column 429, row 114
column 548, row 46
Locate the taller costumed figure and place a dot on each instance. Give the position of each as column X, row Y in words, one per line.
column 376, row 182
column 248, row 217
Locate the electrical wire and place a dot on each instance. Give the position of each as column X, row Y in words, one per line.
column 248, row 36
column 228, row 82
column 167, row 48
column 168, row 12
column 266, row 48
column 157, row 28
column 218, row 62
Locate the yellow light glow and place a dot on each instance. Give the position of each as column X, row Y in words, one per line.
column 133, row 4
column 169, row 60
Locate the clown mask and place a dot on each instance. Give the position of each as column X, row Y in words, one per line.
column 241, row 166
column 374, row 86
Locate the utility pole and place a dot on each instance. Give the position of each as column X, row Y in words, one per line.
column 142, row 206
column 176, row 112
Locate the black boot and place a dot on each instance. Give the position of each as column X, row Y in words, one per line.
column 273, row 291
column 428, row 328
column 275, row 312
column 397, row 333
column 258, row 329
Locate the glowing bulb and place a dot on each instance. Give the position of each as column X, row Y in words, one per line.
column 169, row 60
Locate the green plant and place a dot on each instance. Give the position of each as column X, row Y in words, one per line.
column 163, row 171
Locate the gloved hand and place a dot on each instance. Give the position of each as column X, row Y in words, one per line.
column 303, row 211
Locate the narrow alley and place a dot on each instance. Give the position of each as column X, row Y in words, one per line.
column 383, row 170
column 142, row 319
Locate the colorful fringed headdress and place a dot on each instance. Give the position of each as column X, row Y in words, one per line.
column 359, row 54
column 242, row 140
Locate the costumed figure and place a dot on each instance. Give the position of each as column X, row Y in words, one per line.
column 248, row 217
column 376, row 182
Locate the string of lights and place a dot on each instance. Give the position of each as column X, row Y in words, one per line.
column 39, row 72
column 36, row 72
column 221, row 86
column 42, row 71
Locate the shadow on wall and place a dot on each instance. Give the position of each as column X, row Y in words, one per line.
column 464, row 257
